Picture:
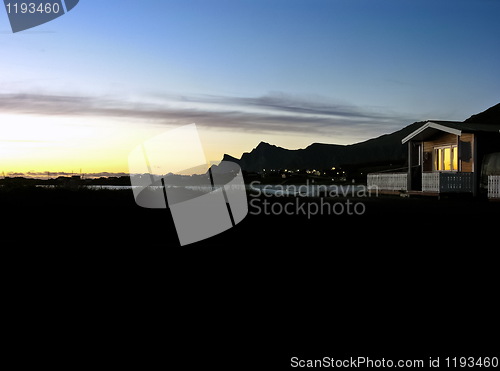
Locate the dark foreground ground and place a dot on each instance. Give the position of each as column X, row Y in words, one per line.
column 407, row 277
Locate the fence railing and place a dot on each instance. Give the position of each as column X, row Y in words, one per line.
column 388, row 181
column 430, row 182
column 494, row 186
column 447, row 182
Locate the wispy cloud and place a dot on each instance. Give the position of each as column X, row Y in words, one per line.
column 277, row 112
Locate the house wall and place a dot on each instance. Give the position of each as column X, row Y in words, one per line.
column 465, row 141
column 441, row 139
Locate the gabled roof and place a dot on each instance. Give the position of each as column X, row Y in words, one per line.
column 429, row 128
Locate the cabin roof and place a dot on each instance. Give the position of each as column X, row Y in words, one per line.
column 429, row 128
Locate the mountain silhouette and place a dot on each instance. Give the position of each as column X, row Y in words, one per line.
column 385, row 150
column 490, row 116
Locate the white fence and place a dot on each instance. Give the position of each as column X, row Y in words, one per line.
column 494, row 186
column 447, row 182
column 388, row 181
column 430, row 182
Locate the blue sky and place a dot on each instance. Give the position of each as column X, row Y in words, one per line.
column 290, row 72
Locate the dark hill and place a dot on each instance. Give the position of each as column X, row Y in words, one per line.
column 385, row 150
column 490, row 116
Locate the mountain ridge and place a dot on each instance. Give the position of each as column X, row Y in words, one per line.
column 385, row 150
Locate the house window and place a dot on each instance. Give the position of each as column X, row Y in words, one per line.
column 446, row 158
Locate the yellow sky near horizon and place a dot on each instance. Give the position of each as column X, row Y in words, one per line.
column 40, row 144
column 43, row 143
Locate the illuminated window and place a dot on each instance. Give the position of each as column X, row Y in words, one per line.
column 454, row 157
column 446, row 158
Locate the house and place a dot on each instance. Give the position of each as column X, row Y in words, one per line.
column 444, row 157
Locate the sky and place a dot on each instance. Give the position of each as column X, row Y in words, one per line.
column 81, row 92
